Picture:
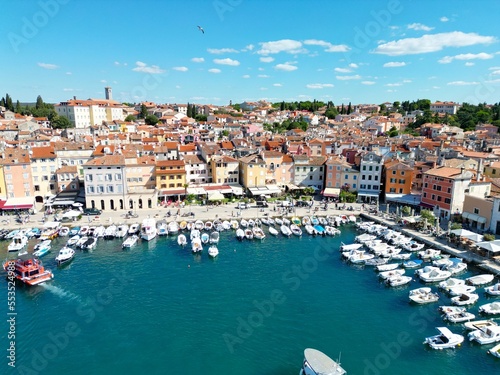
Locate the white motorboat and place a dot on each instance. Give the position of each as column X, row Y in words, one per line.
column 81, row 241
column 273, row 231
column 243, row 223
column 205, row 238
column 278, row 221
column 413, row 246
column 148, row 229
column 130, row 241
column 19, row 241
column 240, row 234
column 310, row 229
column 387, row 267
column 173, row 227
column 110, row 232
column 360, row 257
column 451, row 309
column 226, row 225
column 398, row 280
column 66, row 254
column 296, row 230
column 63, row 231
column 286, row 221
column 457, row 268
column 162, row 228
column 349, row 247
column 249, row 234
column 465, row 299
column 195, row 233
column 214, row 237
column 258, row 233
column 134, row 229
column 429, row 254
column 196, row 246
column 73, row 240
column 181, row 240
column 251, row 223
column 445, row 340
column 198, row 224
column 492, row 308
column 434, row 275
column 451, row 283
column 332, row 231
column 121, row 231
column 495, row 351
column 99, row 231
column 423, row 295
column 485, row 336
column 480, row 324
column 388, row 274
column 234, row 224
column 84, row 230
column 265, row 221
column 90, row 243
column 318, row 363
column 493, row 290
column 306, row 220
column 285, row 230
column 480, row 279
column 459, row 317
column 213, row 251
column 461, row 289
column 208, row 225
column 183, row 225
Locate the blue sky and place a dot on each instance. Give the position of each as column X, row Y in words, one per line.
column 360, row 51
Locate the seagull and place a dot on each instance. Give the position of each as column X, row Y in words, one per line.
column 201, row 29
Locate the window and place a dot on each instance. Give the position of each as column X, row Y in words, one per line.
column 376, row 178
column 110, row 189
column 392, row 190
column 364, row 167
column 354, row 186
column 476, row 211
column 8, row 176
column 425, row 195
column 90, row 189
column 376, row 169
column 439, row 198
column 449, row 190
column 425, row 185
column 118, row 177
column 108, row 177
column 346, row 177
column 355, row 177
column 363, row 177
column 88, row 177
column 37, row 188
column 100, row 188
column 402, row 173
column 370, row 168
column 433, row 197
column 393, row 172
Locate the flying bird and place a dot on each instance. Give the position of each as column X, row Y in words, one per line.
column 201, row 29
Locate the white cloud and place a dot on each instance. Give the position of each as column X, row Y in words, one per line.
column 466, row 56
column 394, row 64
column 468, row 63
column 104, row 81
column 68, row 73
column 444, row 19
column 263, row 76
column 353, row 65
column 177, row 86
column 318, row 85
column 462, row 83
column 144, row 68
column 263, row 88
column 495, row 72
column 245, row 76
column 329, row 47
column 117, row 63
column 277, row 84
column 214, row 70
column 419, row 26
column 283, row 45
column 219, row 51
column 494, row 68
column 432, row 43
column 368, row 82
column 407, row 81
column 347, row 78
column 342, row 70
column 227, row 61
column 436, row 87
column 493, row 81
column 250, row 47
column 392, row 90
column 180, row 68
column 68, row 90
column 198, row 59
column 48, row 66
column 393, row 84
column 267, row 59
column 287, row 67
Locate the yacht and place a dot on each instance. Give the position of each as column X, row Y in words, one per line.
column 148, row 229
column 19, row 241
column 318, row 363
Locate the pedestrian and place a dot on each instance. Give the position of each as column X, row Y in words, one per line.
column 232, row 214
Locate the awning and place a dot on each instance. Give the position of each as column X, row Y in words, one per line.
column 173, row 192
column 367, row 194
column 411, row 199
column 237, row 190
column 474, row 217
column 273, row 189
column 196, row 191
column 426, row 205
column 22, row 203
column 331, row 192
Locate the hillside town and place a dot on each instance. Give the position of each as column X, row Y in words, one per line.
column 112, row 159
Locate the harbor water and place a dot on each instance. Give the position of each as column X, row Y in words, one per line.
column 159, row 309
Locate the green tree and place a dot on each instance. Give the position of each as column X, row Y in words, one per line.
column 60, row 122
column 383, row 108
column 396, row 105
column 393, row 132
column 130, row 118
column 8, row 103
column 151, row 120
column 39, row 102
column 144, row 111
column 236, row 107
column 18, row 107
column 429, row 216
column 349, row 108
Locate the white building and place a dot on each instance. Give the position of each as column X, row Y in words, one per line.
column 450, row 108
column 84, row 113
column 370, row 178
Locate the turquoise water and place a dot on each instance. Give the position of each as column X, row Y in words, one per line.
column 159, row 309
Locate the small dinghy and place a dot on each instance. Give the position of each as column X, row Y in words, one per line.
column 273, row 231
column 181, row 240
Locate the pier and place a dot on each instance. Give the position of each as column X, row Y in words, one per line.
column 486, row 264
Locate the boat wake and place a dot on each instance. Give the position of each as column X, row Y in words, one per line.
column 62, row 293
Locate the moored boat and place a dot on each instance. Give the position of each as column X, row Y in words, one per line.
column 148, row 229
column 492, row 308
column 240, row 234
column 66, row 254
column 285, row 230
column 444, row 340
column 480, row 279
column 273, row 231
column 485, row 336
column 493, row 290
column 205, row 238
column 19, row 241
column 42, row 248
column 134, row 229
column 495, row 351
column 214, row 237
column 181, row 240
column 213, row 251
column 196, row 246
column 318, row 363
column 130, row 241
column 296, row 230
column 258, row 233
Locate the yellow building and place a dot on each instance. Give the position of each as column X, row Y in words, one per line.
column 253, row 171
column 225, row 170
column 492, row 170
column 170, row 177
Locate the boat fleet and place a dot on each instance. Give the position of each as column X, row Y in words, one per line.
column 400, row 260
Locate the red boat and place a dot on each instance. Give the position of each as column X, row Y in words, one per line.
column 27, row 269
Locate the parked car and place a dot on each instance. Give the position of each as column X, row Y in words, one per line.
column 242, row 205
column 91, row 211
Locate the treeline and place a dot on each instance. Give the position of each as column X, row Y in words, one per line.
column 39, row 109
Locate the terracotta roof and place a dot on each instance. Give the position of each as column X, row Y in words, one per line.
column 107, row 160
column 43, row 152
